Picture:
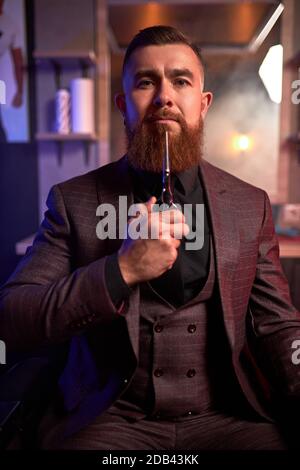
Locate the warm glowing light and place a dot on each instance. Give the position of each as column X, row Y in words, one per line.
column 242, row 142
column 152, row 15
column 270, row 72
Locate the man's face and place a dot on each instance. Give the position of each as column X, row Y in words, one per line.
column 163, row 79
column 163, row 88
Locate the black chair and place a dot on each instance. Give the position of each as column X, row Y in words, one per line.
column 26, row 388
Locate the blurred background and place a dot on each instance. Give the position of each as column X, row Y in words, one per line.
column 60, row 70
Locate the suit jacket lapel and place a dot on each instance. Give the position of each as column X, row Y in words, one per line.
column 114, row 181
column 225, row 236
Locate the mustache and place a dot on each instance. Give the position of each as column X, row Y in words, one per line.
column 152, row 117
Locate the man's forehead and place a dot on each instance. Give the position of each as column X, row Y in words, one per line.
column 171, row 56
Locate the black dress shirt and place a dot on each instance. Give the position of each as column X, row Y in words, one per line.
column 189, row 272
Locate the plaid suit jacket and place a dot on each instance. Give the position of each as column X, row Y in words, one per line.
column 58, row 292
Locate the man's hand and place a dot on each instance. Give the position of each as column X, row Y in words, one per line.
column 145, row 259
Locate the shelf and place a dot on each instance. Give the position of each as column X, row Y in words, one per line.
column 58, row 56
column 59, row 60
column 55, row 137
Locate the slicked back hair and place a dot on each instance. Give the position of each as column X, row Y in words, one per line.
column 158, row 36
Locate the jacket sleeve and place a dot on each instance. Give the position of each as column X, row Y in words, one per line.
column 46, row 300
column 275, row 321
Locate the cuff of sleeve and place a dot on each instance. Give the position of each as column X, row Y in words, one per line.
column 118, row 290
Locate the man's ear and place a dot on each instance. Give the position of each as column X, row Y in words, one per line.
column 120, row 102
column 207, row 98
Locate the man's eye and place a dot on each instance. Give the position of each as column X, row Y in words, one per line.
column 181, row 82
column 144, row 83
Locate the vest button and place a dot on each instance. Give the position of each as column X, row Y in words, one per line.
column 158, row 328
column 158, row 372
column 191, row 372
column 192, row 328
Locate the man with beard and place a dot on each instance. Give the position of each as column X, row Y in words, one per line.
column 170, row 348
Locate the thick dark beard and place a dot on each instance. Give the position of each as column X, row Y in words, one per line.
column 146, row 145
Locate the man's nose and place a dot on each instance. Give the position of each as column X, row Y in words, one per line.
column 163, row 96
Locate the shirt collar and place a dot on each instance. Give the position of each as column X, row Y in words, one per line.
column 185, row 181
column 188, row 179
column 146, row 183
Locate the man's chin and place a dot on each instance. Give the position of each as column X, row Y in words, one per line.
column 146, row 145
